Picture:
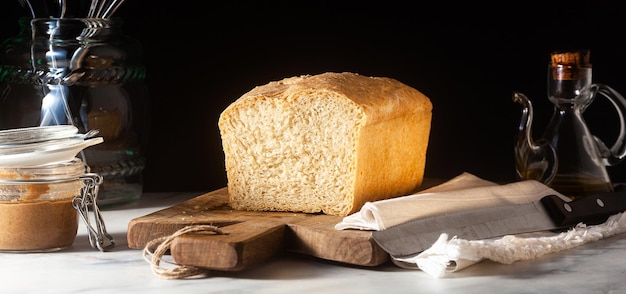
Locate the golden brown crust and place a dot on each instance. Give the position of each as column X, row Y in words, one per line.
column 371, row 93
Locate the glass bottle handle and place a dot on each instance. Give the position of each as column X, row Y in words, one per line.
column 618, row 151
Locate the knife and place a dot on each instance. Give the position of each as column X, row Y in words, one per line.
column 548, row 213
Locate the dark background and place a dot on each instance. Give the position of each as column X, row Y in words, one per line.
column 202, row 55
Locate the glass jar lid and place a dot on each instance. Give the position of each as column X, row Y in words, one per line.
column 42, row 145
column 35, row 134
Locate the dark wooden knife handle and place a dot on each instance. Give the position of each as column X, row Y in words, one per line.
column 590, row 210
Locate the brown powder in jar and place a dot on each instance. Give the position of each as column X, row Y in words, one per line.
column 37, row 226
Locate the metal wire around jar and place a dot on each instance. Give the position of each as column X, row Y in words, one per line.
column 99, row 238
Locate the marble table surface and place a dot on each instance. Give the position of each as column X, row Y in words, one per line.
column 598, row 267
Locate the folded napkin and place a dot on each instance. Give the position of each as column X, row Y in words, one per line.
column 466, row 192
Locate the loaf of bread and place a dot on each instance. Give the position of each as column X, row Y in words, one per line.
column 324, row 143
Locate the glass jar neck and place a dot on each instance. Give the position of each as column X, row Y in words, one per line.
column 60, row 171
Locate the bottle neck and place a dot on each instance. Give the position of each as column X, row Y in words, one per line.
column 569, row 84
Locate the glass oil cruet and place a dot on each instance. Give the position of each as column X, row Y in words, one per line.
column 568, row 157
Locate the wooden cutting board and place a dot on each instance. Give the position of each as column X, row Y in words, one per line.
column 251, row 237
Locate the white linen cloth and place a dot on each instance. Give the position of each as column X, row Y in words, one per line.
column 466, row 192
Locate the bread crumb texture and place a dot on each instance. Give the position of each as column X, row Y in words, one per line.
column 324, row 143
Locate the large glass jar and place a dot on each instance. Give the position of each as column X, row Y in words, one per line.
column 84, row 72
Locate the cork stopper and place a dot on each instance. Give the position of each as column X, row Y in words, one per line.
column 577, row 58
column 567, row 65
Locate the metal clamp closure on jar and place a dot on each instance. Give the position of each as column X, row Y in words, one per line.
column 98, row 236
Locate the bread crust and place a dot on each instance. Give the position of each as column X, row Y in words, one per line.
column 370, row 93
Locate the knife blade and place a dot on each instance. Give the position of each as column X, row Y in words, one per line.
column 548, row 213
